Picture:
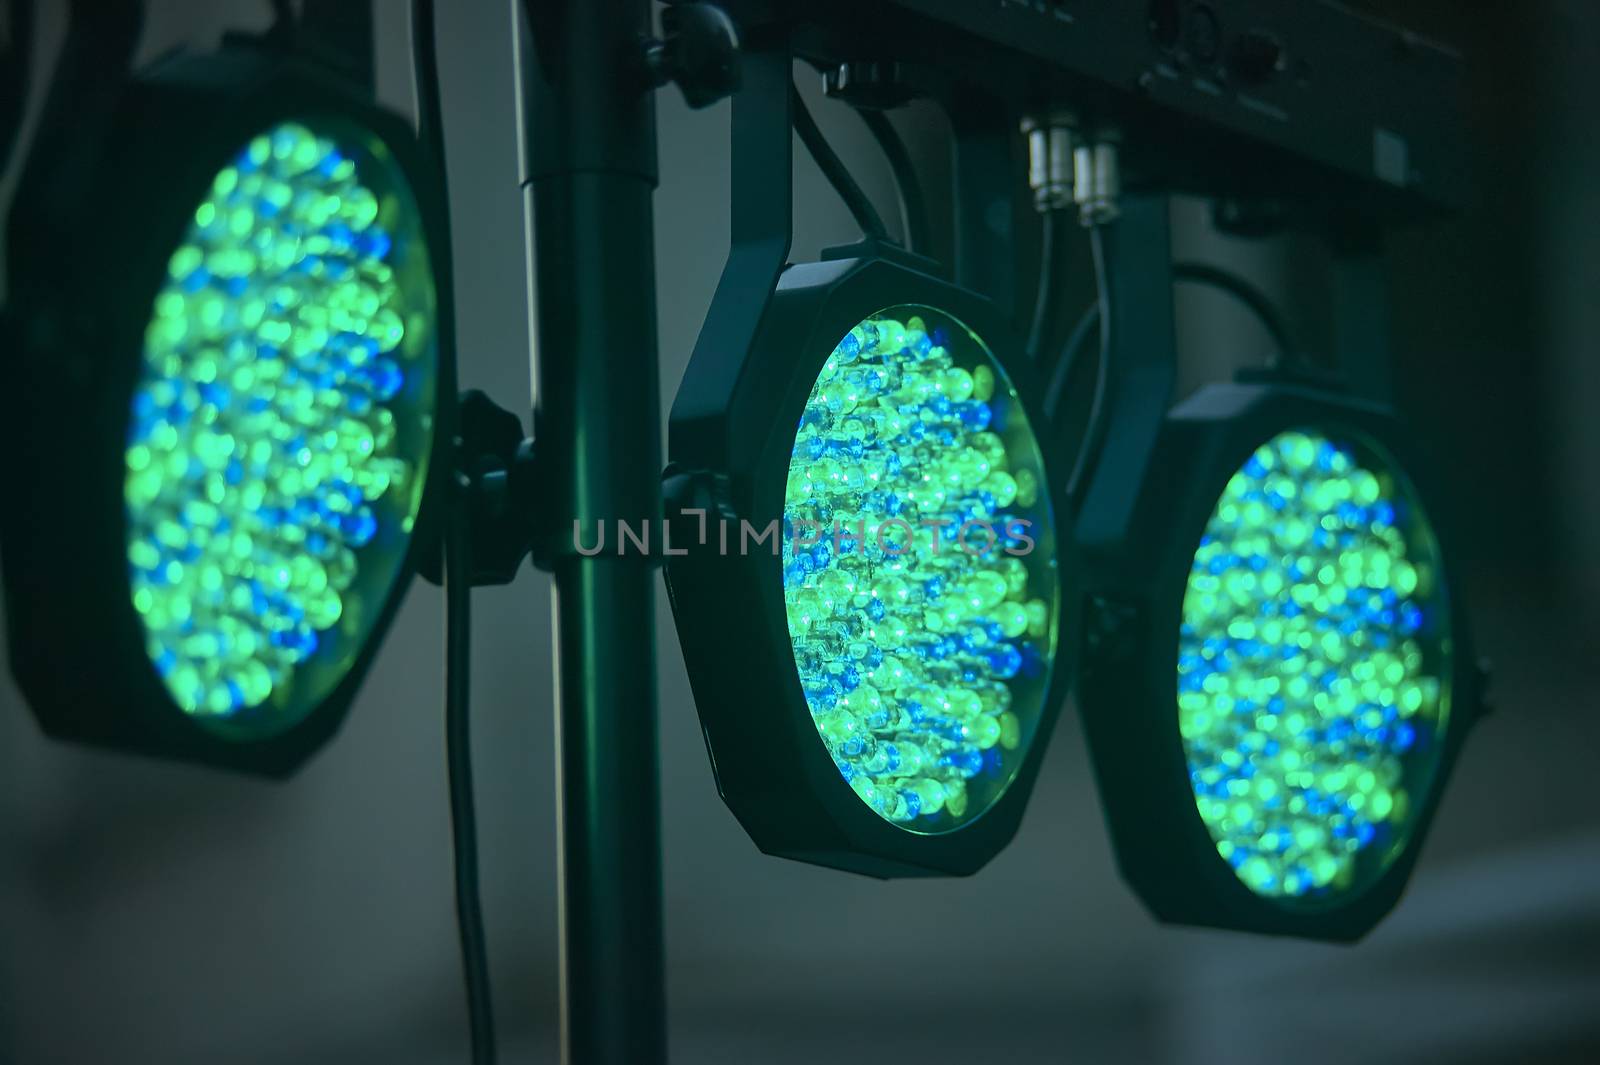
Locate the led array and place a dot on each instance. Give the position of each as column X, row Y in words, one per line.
column 920, row 646
column 1309, row 696
column 263, row 433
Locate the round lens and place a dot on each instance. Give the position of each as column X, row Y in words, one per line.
column 281, row 427
column 1313, row 667
column 919, row 568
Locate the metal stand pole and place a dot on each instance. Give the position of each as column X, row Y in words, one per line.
column 589, row 128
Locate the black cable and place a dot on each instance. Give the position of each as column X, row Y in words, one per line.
column 458, row 755
column 1253, row 298
column 833, row 169
column 1052, row 253
column 1069, row 358
column 913, row 202
column 430, row 105
column 458, row 618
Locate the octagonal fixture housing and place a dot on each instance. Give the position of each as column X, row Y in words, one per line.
column 233, row 378
column 1278, row 672
column 864, row 573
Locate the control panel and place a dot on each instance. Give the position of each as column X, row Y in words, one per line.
column 1286, row 97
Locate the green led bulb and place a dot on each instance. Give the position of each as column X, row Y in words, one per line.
column 919, row 568
column 281, row 426
column 1312, row 666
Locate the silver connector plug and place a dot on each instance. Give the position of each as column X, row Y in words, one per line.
column 1097, row 181
column 1050, row 165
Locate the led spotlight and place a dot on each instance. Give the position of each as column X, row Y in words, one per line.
column 230, row 322
column 1278, row 675
column 869, row 606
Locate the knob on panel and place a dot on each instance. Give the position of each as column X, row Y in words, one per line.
column 1256, row 57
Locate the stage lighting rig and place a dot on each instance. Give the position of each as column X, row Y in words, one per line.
column 233, row 431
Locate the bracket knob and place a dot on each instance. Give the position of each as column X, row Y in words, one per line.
column 699, row 50
column 499, row 482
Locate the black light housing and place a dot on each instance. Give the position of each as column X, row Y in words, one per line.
column 793, row 656
column 108, row 195
column 732, row 434
column 1129, row 680
column 1277, row 671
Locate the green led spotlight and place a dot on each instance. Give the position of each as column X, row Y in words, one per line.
column 268, row 484
column 230, row 405
column 868, row 594
column 1279, row 675
column 1313, row 666
column 920, row 638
